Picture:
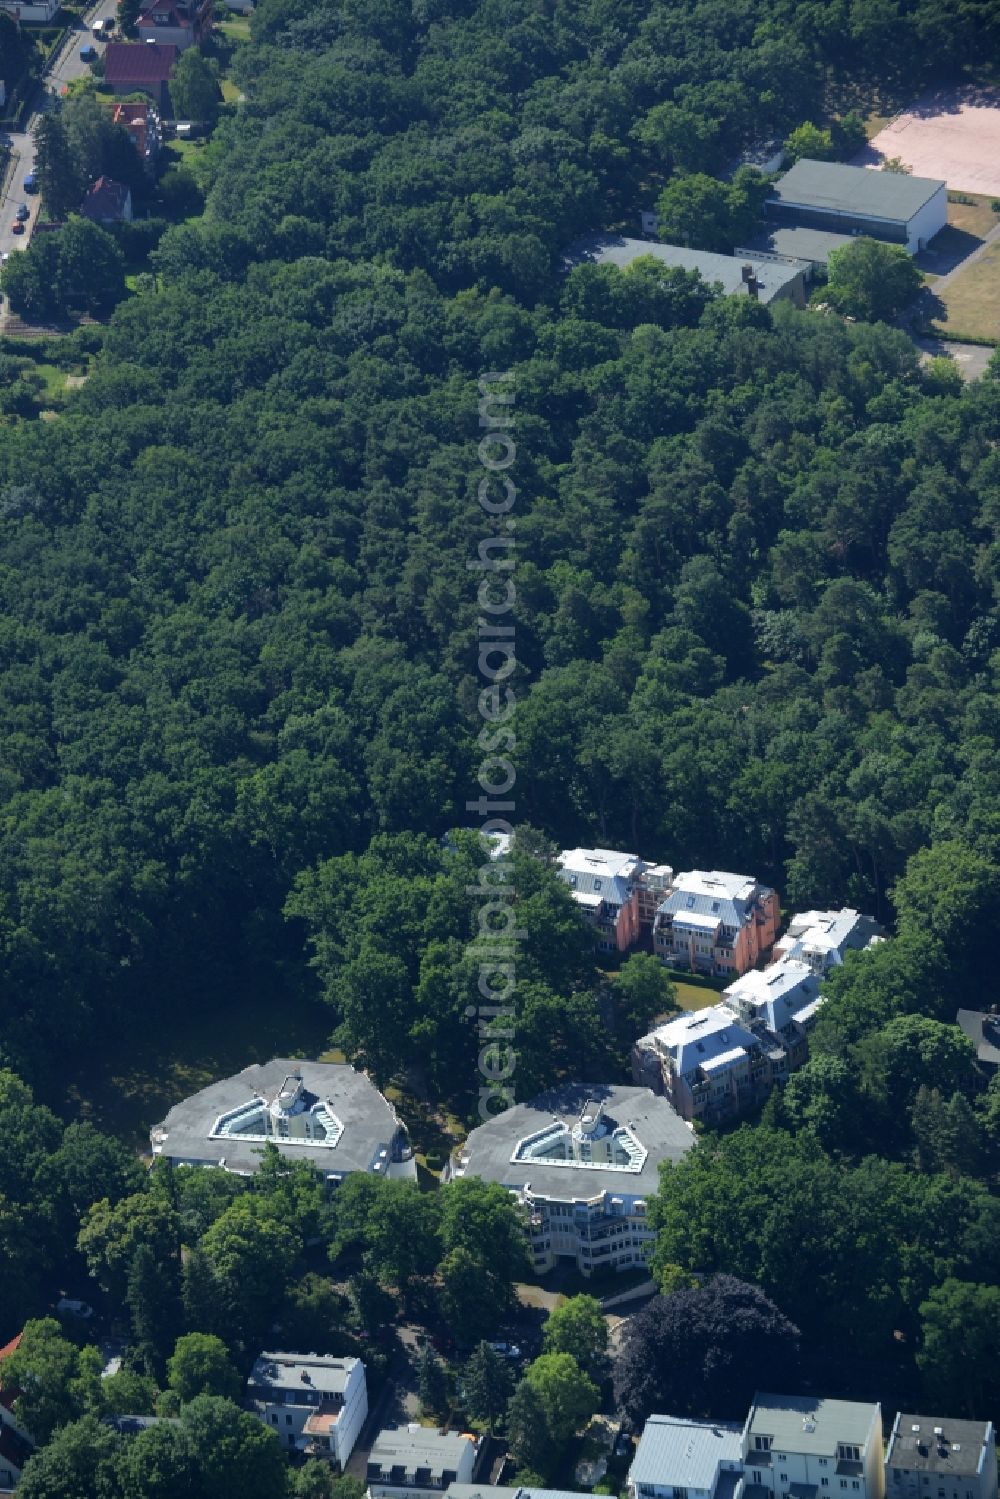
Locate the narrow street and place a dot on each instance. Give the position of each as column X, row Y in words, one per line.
column 65, row 66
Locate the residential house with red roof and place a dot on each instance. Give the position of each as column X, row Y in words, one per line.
column 141, row 124
column 140, row 68
column 15, row 1444
column 107, row 202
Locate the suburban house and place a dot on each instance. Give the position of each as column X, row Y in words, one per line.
column 821, row 938
column 31, row 12
column 420, row 1462
column 935, row 1457
column 316, row 1403
column 717, row 923
column 766, row 279
column 107, row 202
column 699, row 1459
column 140, row 68
column 183, row 23
column 16, row 1445
column 583, row 1160
column 819, row 206
column 323, row 1112
column 983, row 1030
column 795, row 1445
column 142, row 124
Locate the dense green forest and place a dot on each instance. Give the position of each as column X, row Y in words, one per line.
column 758, row 556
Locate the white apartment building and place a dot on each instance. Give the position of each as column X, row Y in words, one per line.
column 316, row 1403
column 821, row 938
column 417, row 1462
column 694, row 1459
column 937, row 1457
column 582, row 1160
column 800, row 1447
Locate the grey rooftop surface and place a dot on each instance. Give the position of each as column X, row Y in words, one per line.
column 370, row 1122
column 659, row 1129
column 425, row 1447
column 810, row 246
column 285, row 1371
column 788, row 1418
column 958, row 1451
column 496, row 1491
column 984, row 1033
column 615, row 249
column 685, row 1454
column 836, row 188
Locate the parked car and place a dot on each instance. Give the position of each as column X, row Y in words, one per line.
column 506, row 1350
column 23, row 212
column 31, row 183
column 88, row 53
column 70, row 1308
column 17, row 227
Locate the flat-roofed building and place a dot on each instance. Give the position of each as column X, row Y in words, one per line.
column 325, row 1113
column 802, row 1447
column 315, row 1403
column 829, row 195
column 767, row 280
column 939, row 1457
column 583, row 1160
column 418, row 1462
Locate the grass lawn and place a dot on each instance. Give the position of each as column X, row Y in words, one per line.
column 230, row 92
column 972, row 300
column 975, row 217
column 235, row 29
column 693, row 996
column 144, row 1066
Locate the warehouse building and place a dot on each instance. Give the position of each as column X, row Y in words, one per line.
column 844, row 200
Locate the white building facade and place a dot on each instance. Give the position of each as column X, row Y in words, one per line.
column 938, row 1457
column 316, row 1403
column 794, row 1445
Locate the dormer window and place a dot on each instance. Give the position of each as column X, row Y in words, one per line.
column 690, row 902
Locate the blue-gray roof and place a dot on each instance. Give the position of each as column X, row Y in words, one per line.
column 684, row 1454
column 833, row 187
column 614, row 249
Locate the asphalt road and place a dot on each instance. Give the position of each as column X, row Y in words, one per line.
column 66, row 66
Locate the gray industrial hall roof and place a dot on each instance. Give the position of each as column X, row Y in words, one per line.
column 659, row 1129
column 837, row 188
column 799, row 242
column 370, row 1122
column 615, row 249
column 684, row 1454
column 958, row 1451
column 802, row 1423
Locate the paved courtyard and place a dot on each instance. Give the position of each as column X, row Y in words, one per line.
column 952, row 134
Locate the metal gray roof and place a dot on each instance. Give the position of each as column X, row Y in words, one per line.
column 615, row 249
column 659, row 1129
column 798, row 241
column 801, row 1423
column 984, row 1032
column 497, row 1491
column 370, row 1122
column 685, row 1454
column 960, row 1450
column 697, row 1038
column 838, row 188
column 422, row 1447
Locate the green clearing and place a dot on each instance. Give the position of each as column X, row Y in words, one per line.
column 139, row 1070
column 693, row 996
column 972, row 301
